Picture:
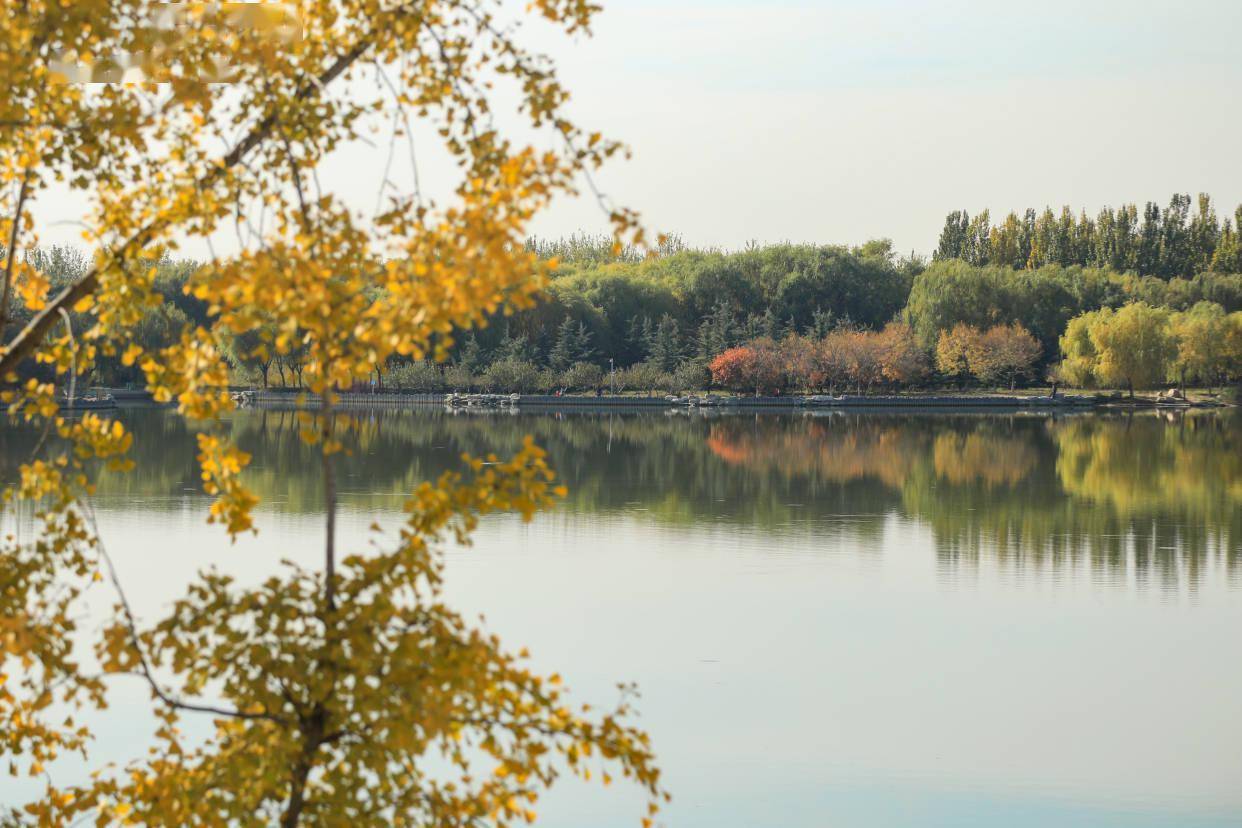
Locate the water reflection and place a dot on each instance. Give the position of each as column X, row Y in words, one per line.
column 1144, row 498
column 782, row 587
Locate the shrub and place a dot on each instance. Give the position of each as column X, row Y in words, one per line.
column 419, row 377
column 459, row 378
column 582, row 376
column 511, row 376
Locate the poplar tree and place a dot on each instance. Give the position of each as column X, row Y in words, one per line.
column 953, row 238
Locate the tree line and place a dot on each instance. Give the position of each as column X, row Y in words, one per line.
column 838, row 317
column 1170, row 243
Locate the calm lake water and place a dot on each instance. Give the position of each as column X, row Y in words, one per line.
column 849, row 619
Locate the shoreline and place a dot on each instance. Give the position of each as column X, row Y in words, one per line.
column 543, row 402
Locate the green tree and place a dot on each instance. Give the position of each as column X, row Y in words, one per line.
column 953, row 238
column 1227, row 257
column 421, row 377
column 568, row 345
column 666, row 349
column 822, row 323
column 471, row 355
column 952, row 292
column 641, row 376
column 583, row 376
column 511, row 376
column 515, row 348
column 1176, row 246
column 978, row 246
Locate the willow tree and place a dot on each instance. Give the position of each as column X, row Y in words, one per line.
column 335, row 690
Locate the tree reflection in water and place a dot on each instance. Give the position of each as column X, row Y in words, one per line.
column 1154, row 497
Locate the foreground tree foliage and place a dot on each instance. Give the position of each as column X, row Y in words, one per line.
column 334, row 690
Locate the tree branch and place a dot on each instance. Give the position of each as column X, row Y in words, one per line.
column 32, row 335
column 12, row 250
column 144, row 665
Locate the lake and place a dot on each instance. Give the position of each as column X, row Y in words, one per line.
column 879, row 619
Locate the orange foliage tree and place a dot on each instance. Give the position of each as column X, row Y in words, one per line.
column 1001, row 354
column 757, row 367
column 902, row 360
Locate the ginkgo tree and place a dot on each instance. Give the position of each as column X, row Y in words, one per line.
column 334, row 691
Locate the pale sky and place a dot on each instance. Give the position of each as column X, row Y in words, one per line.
column 841, row 120
column 835, row 121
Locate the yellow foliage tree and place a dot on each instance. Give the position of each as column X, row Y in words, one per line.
column 953, row 349
column 1002, row 354
column 1078, row 351
column 303, row 731
column 1200, row 334
column 1134, row 345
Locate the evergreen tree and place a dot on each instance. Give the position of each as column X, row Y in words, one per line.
column 573, row 345
column 822, row 324
column 515, row 348
column 638, row 337
column 585, row 351
column 666, row 349
column 470, row 355
column 717, row 331
column 766, row 325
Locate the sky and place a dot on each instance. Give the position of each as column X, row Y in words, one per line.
column 838, row 121
column 835, row 121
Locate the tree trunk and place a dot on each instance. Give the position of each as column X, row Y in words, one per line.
column 329, row 497
column 313, row 733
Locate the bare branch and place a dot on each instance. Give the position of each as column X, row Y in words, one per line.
column 131, row 627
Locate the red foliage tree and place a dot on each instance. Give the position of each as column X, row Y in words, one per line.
column 755, row 367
